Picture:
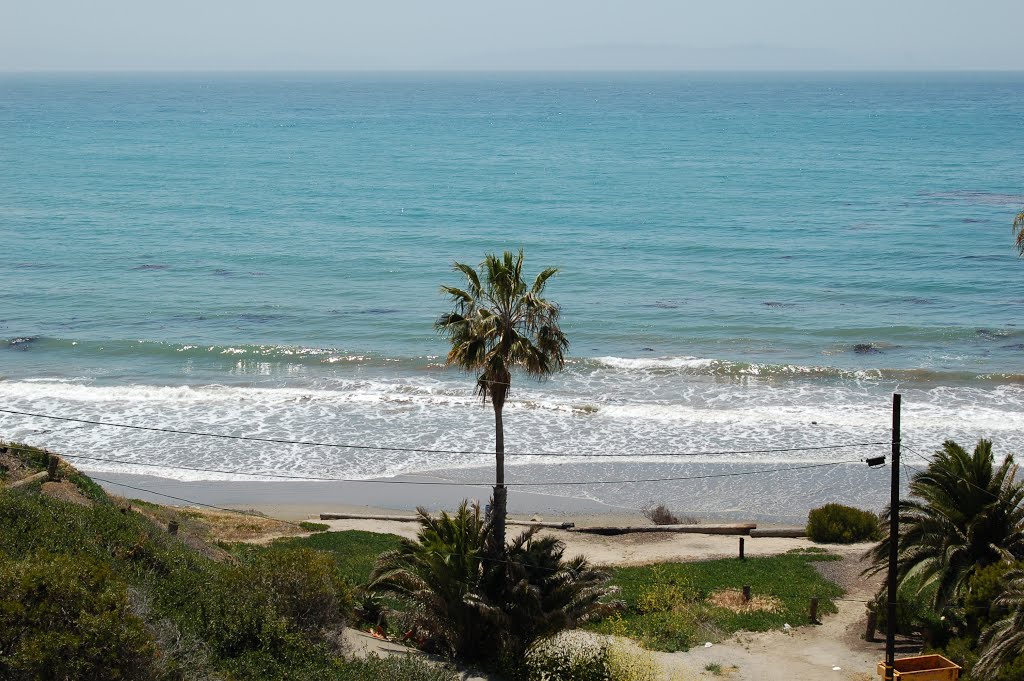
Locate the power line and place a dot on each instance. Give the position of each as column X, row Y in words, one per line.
column 193, row 502
column 482, row 557
column 553, row 483
column 450, row 555
column 419, row 450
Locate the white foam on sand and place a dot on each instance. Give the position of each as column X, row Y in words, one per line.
column 650, row 420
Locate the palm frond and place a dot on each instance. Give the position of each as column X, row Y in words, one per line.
column 964, row 513
column 1018, row 229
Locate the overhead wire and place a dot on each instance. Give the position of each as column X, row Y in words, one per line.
column 296, row 524
column 193, row 502
column 423, row 450
column 549, row 483
column 485, row 558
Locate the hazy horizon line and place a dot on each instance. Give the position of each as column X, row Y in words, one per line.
column 505, row 70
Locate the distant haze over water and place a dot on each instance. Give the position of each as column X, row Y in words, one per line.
column 748, row 261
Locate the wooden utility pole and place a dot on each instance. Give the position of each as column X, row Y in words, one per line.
column 894, row 540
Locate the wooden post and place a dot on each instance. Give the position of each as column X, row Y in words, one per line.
column 172, row 528
column 872, row 626
column 746, row 593
column 894, row 540
column 52, row 461
column 741, row 548
column 814, row 611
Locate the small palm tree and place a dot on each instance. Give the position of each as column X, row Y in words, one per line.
column 964, row 513
column 1003, row 641
column 465, row 604
column 436, row 576
column 1018, row 229
column 499, row 323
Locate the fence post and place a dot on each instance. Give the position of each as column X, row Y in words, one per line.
column 172, row 528
column 52, row 461
column 746, row 593
column 872, row 626
column 741, row 548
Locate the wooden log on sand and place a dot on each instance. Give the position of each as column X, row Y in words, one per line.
column 28, row 481
column 791, row 532
column 357, row 516
column 413, row 519
column 737, row 528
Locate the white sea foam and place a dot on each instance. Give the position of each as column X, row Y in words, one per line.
column 650, row 420
column 656, row 362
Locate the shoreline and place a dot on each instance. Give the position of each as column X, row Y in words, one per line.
column 302, row 500
column 715, row 492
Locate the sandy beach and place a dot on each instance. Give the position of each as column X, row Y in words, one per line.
column 717, row 492
column 302, row 500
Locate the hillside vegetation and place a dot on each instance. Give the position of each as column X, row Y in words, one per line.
column 92, row 588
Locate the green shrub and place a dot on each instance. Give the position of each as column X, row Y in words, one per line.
column 838, row 524
column 401, row 668
column 913, row 611
column 101, row 593
column 63, row 618
column 304, row 586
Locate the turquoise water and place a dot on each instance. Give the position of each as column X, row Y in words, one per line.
column 741, row 255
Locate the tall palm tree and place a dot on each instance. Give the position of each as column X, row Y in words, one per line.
column 963, row 513
column 1004, row 640
column 1018, row 229
column 498, row 324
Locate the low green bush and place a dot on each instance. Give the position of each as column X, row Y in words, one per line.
column 63, row 618
column 401, row 668
column 839, row 524
column 304, row 585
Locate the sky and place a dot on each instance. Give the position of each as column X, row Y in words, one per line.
column 523, row 35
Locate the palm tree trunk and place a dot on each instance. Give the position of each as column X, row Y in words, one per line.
column 500, row 503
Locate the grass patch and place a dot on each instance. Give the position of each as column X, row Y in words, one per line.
column 673, row 606
column 314, row 527
column 354, row 551
column 714, row 668
column 144, row 504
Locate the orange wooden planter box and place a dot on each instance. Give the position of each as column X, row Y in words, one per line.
column 923, row 668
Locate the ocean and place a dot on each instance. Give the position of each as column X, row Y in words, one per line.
column 748, row 262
